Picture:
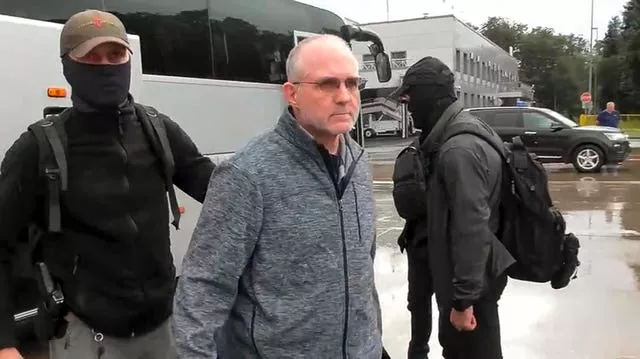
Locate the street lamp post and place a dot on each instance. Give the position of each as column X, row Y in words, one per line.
column 594, row 95
column 387, row 10
column 591, row 51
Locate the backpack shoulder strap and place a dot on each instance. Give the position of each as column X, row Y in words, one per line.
column 52, row 142
column 472, row 130
column 414, row 146
column 153, row 125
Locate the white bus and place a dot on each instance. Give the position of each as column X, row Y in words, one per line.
column 213, row 66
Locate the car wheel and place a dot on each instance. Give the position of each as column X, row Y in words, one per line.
column 369, row 133
column 588, row 159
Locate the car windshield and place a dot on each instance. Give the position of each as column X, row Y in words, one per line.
column 559, row 117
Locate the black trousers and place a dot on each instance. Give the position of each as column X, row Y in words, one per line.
column 484, row 341
column 419, row 300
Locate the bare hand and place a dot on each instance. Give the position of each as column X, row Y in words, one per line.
column 10, row 353
column 463, row 320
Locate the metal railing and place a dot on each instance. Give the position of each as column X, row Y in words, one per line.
column 368, row 66
column 396, row 64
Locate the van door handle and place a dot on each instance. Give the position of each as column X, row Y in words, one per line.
column 530, row 132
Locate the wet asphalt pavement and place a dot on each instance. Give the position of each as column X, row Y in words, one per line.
column 597, row 316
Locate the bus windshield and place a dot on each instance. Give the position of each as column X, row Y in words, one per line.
column 239, row 40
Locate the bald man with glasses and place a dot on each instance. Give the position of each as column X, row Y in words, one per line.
column 281, row 261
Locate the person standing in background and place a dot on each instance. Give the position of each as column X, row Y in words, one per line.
column 609, row 117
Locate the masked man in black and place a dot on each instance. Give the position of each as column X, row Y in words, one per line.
column 457, row 250
column 111, row 254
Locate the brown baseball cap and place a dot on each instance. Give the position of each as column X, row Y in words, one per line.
column 90, row 28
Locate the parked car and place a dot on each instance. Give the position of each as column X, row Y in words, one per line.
column 554, row 138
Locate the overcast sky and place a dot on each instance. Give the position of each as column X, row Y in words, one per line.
column 565, row 16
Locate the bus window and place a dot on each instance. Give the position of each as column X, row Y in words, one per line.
column 174, row 35
column 239, row 40
column 252, row 38
column 301, row 35
column 46, row 10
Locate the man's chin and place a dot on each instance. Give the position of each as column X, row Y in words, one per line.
column 340, row 129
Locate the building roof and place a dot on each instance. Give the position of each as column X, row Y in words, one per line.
column 423, row 18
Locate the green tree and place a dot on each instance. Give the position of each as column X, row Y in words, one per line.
column 503, row 32
column 630, row 81
column 556, row 64
column 612, row 41
column 610, row 68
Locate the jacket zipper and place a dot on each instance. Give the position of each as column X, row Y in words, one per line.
column 342, row 188
column 253, row 333
column 127, row 186
column 422, row 175
column 346, row 281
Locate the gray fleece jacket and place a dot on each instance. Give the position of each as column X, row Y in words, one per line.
column 281, row 263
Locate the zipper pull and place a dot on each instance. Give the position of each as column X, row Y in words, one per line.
column 75, row 265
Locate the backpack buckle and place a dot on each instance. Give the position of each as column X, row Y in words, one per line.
column 52, row 173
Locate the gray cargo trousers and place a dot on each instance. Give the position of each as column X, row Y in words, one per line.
column 82, row 342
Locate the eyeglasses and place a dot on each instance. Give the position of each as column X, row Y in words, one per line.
column 332, row 84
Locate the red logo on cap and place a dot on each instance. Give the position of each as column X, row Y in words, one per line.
column 97, row 22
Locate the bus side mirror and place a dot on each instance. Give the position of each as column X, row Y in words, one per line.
column 383, row 67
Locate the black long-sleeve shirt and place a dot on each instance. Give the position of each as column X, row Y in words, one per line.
column 114, row 256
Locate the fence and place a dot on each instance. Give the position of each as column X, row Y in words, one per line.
column 626, row 121
column 629, row 123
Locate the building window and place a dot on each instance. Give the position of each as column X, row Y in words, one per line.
column 457, row 65
column 484, row 70
column 368, row 63
column 398, row 59
column 465, row 64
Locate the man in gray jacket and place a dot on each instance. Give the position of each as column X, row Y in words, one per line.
column 466, row 259
column 281, row 261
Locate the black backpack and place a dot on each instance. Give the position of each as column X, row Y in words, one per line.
column 29, row 274
column 532, row 228
column 409, row 182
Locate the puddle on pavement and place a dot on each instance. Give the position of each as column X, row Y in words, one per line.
column 595, row 317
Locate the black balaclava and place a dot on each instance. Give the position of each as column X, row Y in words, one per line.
column 100, row 87
column 427, row 103
column 430, row 86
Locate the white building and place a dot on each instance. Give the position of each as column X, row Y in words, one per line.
column 486, row 75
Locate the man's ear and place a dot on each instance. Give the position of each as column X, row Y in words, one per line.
column 289, row 91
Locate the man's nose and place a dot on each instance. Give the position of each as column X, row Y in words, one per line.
column 103, row 60
column 343, row 94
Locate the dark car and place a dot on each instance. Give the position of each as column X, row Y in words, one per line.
column 554, row 138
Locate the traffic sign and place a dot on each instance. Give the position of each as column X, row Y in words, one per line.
column 585, row 97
